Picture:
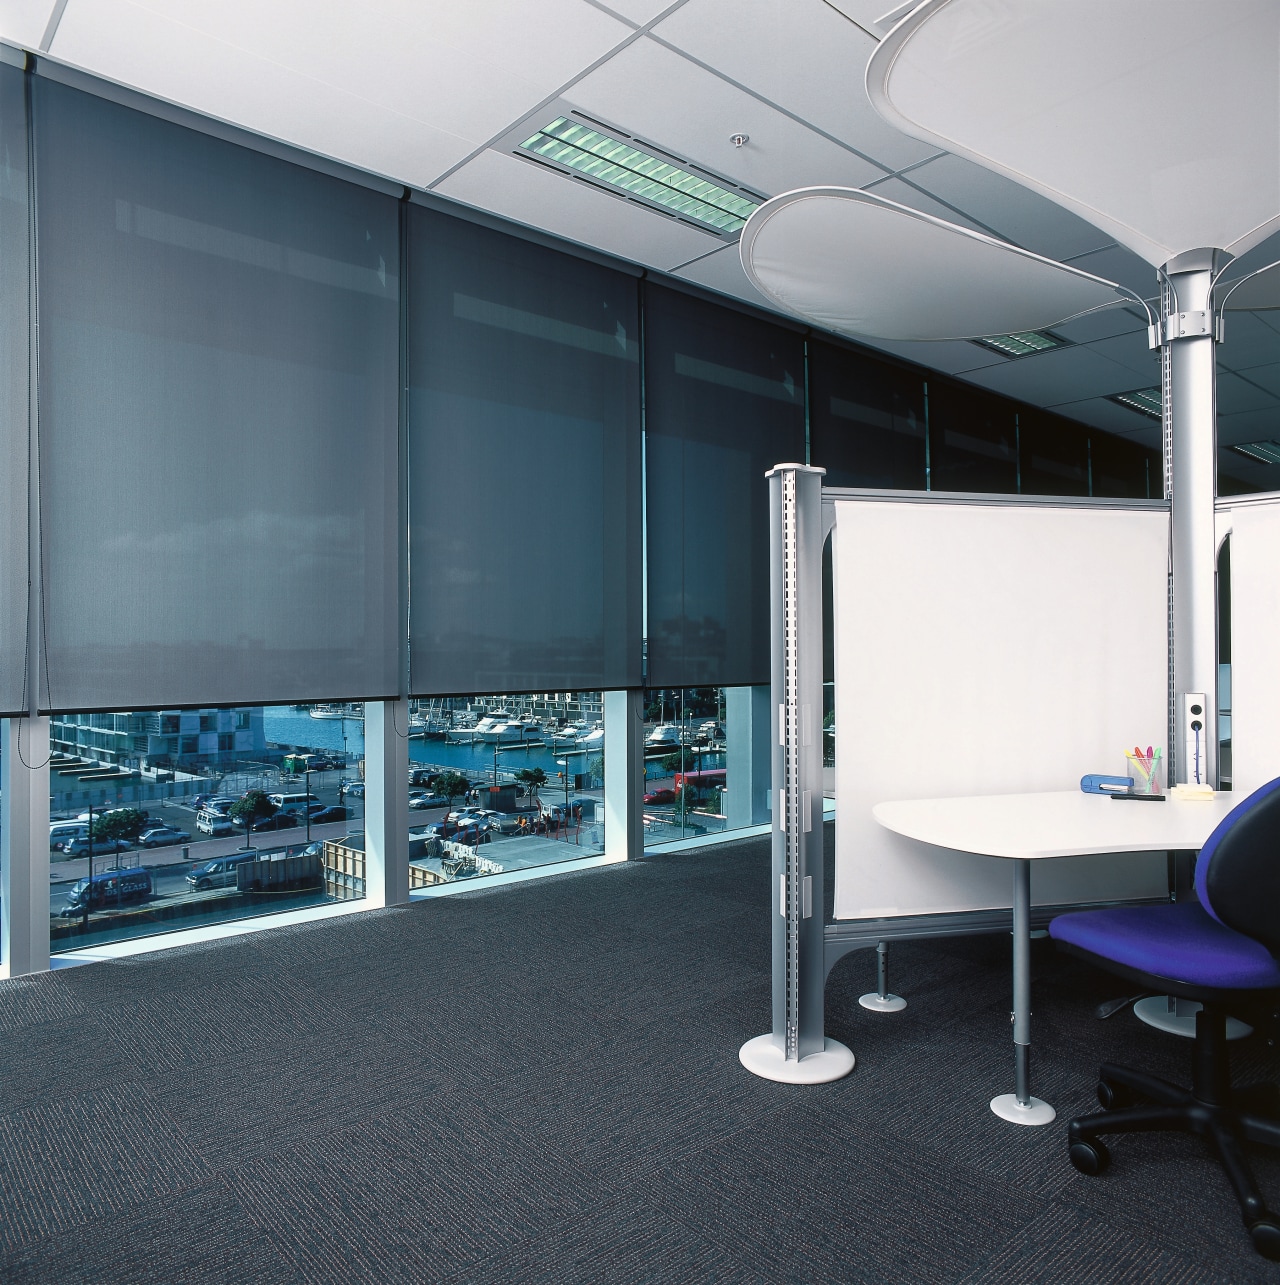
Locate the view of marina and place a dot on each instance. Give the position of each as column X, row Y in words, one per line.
column 164, row 819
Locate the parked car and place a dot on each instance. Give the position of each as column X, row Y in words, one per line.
column 80, row 847
column 419, row 801
column 281, row 821
column 325, row 815
column 220, row 872
column 353, row 788
column 161, row 835
column 660, row 796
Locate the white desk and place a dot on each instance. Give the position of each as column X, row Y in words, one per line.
column 1027, row 827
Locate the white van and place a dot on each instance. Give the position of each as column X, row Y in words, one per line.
column 299, row 800
column 214, row 824
column 64, row 832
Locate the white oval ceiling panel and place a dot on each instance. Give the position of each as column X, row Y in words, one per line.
column 866, row 266
column 1156, row 120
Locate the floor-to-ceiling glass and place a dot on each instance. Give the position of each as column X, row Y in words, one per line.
column 169, row 819
column 500, row 783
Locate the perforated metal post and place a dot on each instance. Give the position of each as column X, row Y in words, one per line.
column 796, row 1051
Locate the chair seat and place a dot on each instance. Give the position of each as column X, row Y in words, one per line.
column 1181, row 942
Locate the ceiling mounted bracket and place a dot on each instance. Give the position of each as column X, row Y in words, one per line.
column 1185, row 325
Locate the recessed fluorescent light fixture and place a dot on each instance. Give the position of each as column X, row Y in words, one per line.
column 1146, row 401
column 1260, row 452
column 1024, row 343
column 621, row 165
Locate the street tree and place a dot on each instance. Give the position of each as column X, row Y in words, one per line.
column 119, row 823
column 451, row 785
column 533, row 779
column 252, row 806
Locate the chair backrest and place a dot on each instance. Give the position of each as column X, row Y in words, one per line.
column 1238, row 872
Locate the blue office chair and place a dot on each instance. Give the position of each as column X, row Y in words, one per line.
column 1220, row 950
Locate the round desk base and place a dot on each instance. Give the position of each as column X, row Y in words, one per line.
column 1154, row 1010
column 1007, row 1107
column 882, row 1003
column 764, row 1058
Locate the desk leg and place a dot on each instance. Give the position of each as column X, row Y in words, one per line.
column 1020, row 1107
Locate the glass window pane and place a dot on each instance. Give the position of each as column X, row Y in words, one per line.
column 218, row 418
column 866, row 420
column 524, row 465
column 503, row 782
column 724, row 403
column 169, row 819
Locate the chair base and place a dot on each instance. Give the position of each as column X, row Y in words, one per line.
column 1227, row 1118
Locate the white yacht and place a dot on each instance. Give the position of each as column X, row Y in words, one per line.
column 592, row 740
column 510, row 731
column 483, row 726
column 666, row 736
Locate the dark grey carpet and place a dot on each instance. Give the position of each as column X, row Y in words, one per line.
column 541, row 1084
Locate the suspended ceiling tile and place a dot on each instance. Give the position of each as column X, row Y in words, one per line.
column 1017, row 213
column 638, row 11
column 1131, row 352
column 1265, row 377
column 866, row 13
column 948, row 356
column 1122, row 266
column 445, row 77
column 670, row 102
column 542, row 198
column 1106, row 323
column 1249, row 426
column 1111, row 417
column 1062, row 375
column 24, row 21
column 804, row 56
column 1249, row 341
column 722, row 272
column 896, row 189
column 1238, row 393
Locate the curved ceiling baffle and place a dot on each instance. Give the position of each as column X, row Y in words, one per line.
column 865, row 266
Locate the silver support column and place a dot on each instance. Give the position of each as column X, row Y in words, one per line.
column 24, row 847
column 386, row 801
column 1188, row 333
column 796, row 1050
column 1020, row 1107
column 624, row 774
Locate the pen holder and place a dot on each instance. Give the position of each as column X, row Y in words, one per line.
column 1147, row 773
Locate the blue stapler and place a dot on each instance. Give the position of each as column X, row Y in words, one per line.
column 1094, row 784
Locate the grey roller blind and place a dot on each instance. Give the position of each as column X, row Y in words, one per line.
column 724, row 403
column 866, row 420
column 972, row 440
column 524, row 465
column 218, row 365
column 15, row 331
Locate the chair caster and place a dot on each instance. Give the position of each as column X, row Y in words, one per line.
column 1090, row 1157
column 1113, row 1097
column 1265, row 1234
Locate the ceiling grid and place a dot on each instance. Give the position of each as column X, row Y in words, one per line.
column 428, row 94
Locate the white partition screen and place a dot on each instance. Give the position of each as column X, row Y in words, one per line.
column 988, row 646
column 1253, row 524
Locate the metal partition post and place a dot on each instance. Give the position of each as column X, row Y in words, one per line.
column 796, row 1051
column 623, row 774
column 1189, row 331
column 386, row 802
column 24, row 846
